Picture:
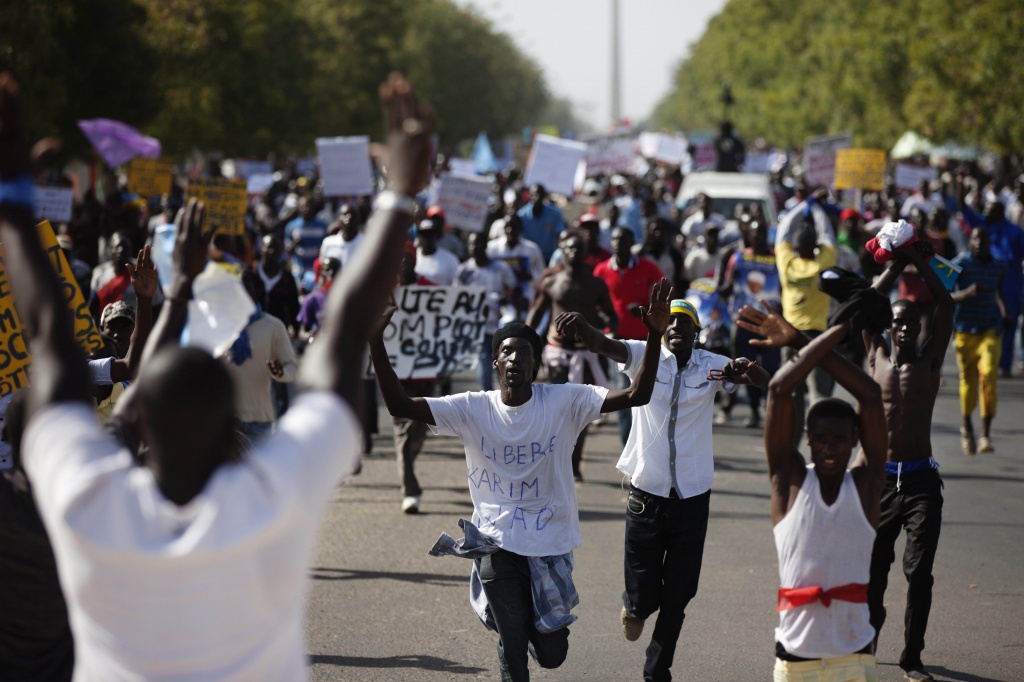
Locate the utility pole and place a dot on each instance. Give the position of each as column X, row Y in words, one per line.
column 616, row 89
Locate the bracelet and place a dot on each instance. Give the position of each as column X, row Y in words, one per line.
column 18, row 192
column 393, row 201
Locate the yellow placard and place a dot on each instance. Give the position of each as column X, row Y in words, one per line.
column 150, row 177
column 14, row 356
column 860, row 169
column 225, row 203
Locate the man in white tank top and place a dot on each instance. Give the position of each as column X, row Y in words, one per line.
column 824, row 514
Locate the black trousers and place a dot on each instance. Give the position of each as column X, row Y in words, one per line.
column 506, row 581
column 664, row 551
column 917, row 508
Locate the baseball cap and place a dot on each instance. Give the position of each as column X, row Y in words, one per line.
column 427, row 225
column 115, row 310
column 680, row 306
column 435, row 211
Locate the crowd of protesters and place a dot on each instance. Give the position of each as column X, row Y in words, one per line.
column 580, row 287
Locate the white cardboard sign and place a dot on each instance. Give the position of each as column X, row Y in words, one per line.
column 554, row 163
column 909, row 177
column 345, row 165
column 820, row 157
column 54, row 203
column 464, row 200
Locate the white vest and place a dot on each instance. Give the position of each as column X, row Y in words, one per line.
column 826, row 546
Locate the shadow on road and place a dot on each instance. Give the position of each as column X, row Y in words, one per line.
column 351, row 574
column 960, row 676
column 422, row 662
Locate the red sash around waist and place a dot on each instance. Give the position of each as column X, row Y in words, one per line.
column 792, row 597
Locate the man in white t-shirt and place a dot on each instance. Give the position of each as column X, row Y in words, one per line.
column 824, row 514
column 342, row 243
column 705, row 214
column 519, row 442
column 522, row 255
column 436, row 264
column 191, row 567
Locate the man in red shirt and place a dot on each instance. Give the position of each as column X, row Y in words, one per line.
column 630, row 279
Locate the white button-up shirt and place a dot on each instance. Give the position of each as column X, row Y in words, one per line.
column 670, row 442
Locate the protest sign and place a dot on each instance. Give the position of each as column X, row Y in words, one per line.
column 225, row 203
column 758, row 162
column 14, row 355
column 610, row 154
column 703, row 155
column 910, row 177
column 464, row 200
column 259, row 183
column 245, row 169
column 436, row 331
column 553, row 163
column 457, row 166
column 345, row 165
column 703, row 295
column 150, row 177
column 820, row 157
column 670, row 149
column 860, row 169
column 54, row 203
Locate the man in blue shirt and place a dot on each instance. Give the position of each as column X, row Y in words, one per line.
column 542, row 222
column 303, row 236
column 1007, row 242
column 980, row 319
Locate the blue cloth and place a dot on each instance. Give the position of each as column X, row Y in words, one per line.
column 543, row 231
column 631, row 216
column 241, row 349
column 1007, row 244
column 554, row 594
column 483, row 156
column 980, row 313
column 899, row 468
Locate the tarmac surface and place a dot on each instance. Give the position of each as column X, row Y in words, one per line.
column 380, row 608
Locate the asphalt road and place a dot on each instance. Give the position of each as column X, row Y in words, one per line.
column 380, row 608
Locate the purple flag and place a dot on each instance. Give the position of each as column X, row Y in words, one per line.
column 118, row 142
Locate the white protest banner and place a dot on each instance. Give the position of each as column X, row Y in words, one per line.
column 245, row 169
column 259, row 183
column 553, row 163
column 610, row 154
column 54, row 203
column 459, row 166
column 820, row 157
column 910, row 177
column 345, row 165
column 758, row 162
column 464, row 200
column 704, row 155
column 670, row 149
column 436, row 331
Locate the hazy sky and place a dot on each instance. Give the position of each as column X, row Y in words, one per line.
column 571, row 40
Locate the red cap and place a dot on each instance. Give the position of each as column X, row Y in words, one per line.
column 849, row 213
column 435, row 211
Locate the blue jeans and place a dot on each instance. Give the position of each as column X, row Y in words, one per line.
column 619, row 381
column 485, row 367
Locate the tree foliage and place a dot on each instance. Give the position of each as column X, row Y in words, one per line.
column 251, row 77
column 950, row 69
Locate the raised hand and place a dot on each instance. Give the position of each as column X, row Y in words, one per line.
column 190, row 245
column 143, row 274
column 777, row 332
column 377, row 330
column 656, row 316
column 408, row 124
column 571, row 326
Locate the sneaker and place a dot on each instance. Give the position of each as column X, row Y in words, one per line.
column 967, row 442
column 918, row 675
column 985, row 444
column 411, row 505
column 721, row 418
column 632, row 627
column 752, row 422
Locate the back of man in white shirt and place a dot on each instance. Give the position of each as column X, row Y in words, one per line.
column 192, row 567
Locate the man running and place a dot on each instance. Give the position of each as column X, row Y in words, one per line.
column 909, row 374
column 519, row 442
column 824, row 514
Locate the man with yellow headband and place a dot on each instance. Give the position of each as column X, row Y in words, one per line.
column 668, row 459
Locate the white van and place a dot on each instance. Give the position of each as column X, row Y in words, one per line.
column 727, row 190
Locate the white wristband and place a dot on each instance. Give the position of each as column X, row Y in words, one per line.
column 392, row 201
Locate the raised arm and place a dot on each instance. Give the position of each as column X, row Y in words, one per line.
column 656, row 318
column 591, row 337
column 942, row 321
column 59, row 372
column 398, row 403
column 358, row 295
column 144, row 283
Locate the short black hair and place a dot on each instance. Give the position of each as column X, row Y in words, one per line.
column 522, row 331
column 832, row 408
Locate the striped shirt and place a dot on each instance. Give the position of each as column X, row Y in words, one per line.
column 980, row 313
